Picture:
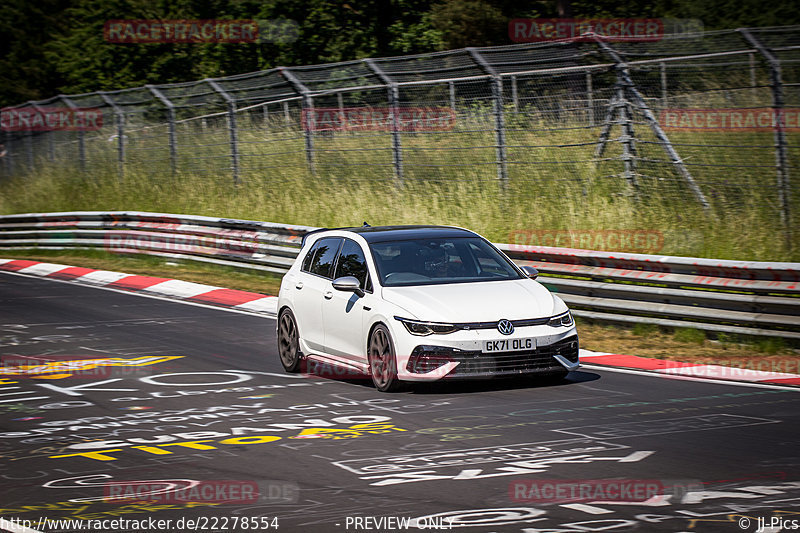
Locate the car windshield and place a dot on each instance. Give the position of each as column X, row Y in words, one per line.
column 437, row 261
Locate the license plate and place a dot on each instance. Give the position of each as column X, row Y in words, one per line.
column 509, row 345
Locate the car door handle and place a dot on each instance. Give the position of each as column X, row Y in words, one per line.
column 298, row 285
column 328, row 295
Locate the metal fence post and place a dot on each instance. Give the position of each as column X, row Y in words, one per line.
column 8, row 157
column 589, row 98
column 81, row 135
column 514, row 96
column 306, row 117
column 500, row 130
column 232, row 130
column 173, row 141
column 119, row 116
column 639, row 101
column 8, row 161
column 50, row 148
column 452, row 87
column 605, row 131
column 394, row 103
column 628, row 138
column 619, row 113
column 29, row 149
column 663, row 85
column 781, row 156
column 499, row 117
column 397, row 147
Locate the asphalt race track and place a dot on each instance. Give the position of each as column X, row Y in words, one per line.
column 121, row 407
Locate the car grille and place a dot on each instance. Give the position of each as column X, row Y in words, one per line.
column 478, row 364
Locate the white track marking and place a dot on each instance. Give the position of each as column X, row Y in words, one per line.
column 688, row 378
column 180, row 289
column 42, row 269
column 156, row 297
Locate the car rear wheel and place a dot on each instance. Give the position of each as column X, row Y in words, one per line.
column 382, row 360
column 288, row 341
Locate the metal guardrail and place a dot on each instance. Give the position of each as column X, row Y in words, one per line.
column 737, row 297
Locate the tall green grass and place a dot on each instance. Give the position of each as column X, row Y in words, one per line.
column 450, row 178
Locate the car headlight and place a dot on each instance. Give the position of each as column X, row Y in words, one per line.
column 562, row 320
column 418, row 327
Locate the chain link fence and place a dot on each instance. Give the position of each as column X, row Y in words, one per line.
column 709, row 119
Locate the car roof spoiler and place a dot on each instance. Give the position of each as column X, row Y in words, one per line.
column 307, row 235
column 303, row 242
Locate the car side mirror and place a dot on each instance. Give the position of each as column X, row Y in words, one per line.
column 348, row 284
column 530, row 272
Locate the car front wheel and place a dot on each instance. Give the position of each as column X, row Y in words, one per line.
column 382, row 360
column 288, row 341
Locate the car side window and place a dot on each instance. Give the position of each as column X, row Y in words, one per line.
column 322, row 256
column 353, row 263
column 487, row 265
column 308, row 258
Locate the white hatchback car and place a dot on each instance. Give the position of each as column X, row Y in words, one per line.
column 419, row 303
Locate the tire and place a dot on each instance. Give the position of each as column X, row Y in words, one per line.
column 289, row 341
column 382, row 360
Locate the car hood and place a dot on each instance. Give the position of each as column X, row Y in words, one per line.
column 473, row 302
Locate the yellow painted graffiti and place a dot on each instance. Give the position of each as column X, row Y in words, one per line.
column 62, row 368
column 354, row 431
column 79, row 510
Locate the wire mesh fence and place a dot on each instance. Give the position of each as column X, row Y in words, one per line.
column 708, row 119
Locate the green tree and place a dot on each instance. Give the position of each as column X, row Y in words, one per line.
column 87, row 62
column 57, row 46
column 25, row 73
column 464, row 23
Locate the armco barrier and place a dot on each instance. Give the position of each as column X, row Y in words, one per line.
column 740, row 297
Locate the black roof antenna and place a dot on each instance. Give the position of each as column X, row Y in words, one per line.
column 366, row 225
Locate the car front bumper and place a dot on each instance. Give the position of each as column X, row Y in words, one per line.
column 431, row 361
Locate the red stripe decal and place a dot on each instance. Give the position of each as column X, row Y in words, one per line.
column 782, row 381
column 71, row 273
column 227, row 297
column 18, row 264
column 136, row 282
column 632, row 361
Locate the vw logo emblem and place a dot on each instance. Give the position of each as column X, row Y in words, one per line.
column 505, row 327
